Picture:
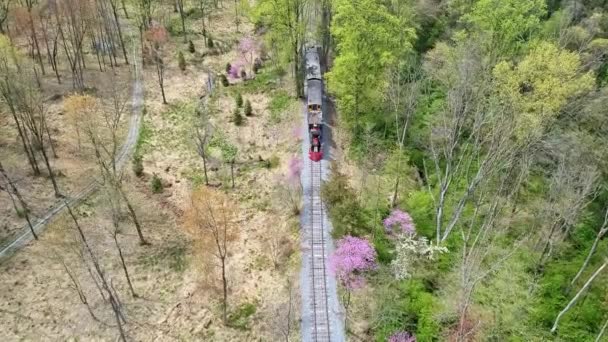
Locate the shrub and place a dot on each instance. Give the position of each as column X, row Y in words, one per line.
column 239, row 319
column 210, row 42
column 224, row 80
column 191, row 48
column 238, row 100
column 237, row 118
column 181, row 61
column 408, row 306
column 228, row 67
column 272, row 162
column 156, row 184
column 257, row 65
column 347, row 214
column 138, row 166
column 22, row 212
column 248, row 110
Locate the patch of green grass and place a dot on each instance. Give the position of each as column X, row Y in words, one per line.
column 143, row 139
column 172, row 256
column 277, row 106
column 265, row 80
column 272, row 162
column 195, row 176
column 239, row 319
column 156, row 184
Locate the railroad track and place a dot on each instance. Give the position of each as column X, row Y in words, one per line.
column 318, row 259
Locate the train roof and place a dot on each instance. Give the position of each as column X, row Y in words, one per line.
column 313, row 66
column 314, row 91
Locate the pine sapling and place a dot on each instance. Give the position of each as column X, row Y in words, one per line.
column 181, row 61
column 248, row 110
column 237, row 118
column 239, row 100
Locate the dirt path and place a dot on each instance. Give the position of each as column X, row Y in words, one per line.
column 24, row 235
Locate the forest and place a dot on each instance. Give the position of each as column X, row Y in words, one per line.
column 150, row 168
column 474, row 137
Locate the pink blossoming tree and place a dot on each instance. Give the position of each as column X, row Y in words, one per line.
column 399, row 222
column 402, row 336
column 353, row 257
column 294, row 170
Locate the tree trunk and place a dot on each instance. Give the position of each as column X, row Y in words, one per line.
column 578, row 295
column 124, row 265
column 599, row 336
column 24, row 206
column 124, row 9
column 119, row 30
column 142, row 240
column 180, row 6
column 35, row 40
column 48, row 135
column 600, row 235
column 232, row 173
column 51, row 173
column 225, row 291
column 205, row 169
column 29, row 152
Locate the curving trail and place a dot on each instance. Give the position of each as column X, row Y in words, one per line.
column 25, row 236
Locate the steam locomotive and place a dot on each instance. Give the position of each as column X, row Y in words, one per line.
column 314, row 94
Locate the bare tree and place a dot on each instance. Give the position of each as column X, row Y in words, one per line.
column 600, row 234
column 4, row 6
column 157, row 37
column 102, row 131
column 33, row 110
column 203, row 132
column 11, row 66
column 108, row 290
column 12, row 190
column 114, row 202
column 572, row 188
column 210, row 219
column 579, row 294
column 285, row 314
column 73, row 21
column 402, row 95
column 182, row 15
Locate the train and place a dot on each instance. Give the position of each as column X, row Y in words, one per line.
column 314, row 101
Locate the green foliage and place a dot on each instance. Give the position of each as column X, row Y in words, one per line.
column 238, row 100
column 347, row 215
column 191, row 47
column 420, row 206
column 507, row 22
column 540, row 85
column 229, row 152
column 138, row 165
column 22, row 212
column 279, row 103
column 265, row 81
column 384, row 248
column 156, row 184
column 181, row 61
column 170, row 255
column 241, row 317
column 237, row 118
column 143, row 138
column 406, row 305
column 224, row 80
column 248, row 110
column 367, row 37
column 273, row 162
